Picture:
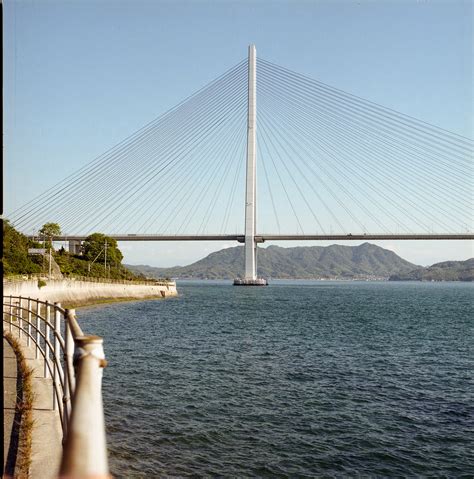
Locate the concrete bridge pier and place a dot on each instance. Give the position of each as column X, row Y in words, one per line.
column 75, row 246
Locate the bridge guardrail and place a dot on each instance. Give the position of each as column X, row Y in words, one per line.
column 75, row 363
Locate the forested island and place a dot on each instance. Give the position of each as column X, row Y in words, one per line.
column 445, row 271
column 335, row 262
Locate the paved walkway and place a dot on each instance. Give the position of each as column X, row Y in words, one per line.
column 47, row 434
column 10, row 434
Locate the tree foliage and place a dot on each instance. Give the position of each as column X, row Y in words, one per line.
column 94, row 249
column 15, row 252
column 17, row 261
column 72, row 265
column 48, row 231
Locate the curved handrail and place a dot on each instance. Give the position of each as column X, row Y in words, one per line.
column 75, row 362
column 46, row 322
column 70, row 315
column 38, row 301
column 56, row 390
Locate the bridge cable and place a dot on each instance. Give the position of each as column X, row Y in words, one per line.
column 99, row 158
column 195, row 128
column 279, row 98
column 415, row 123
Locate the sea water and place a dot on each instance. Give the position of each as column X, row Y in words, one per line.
column 297, row 379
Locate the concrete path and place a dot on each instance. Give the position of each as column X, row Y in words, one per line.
column 10, row 433
column 47, row 433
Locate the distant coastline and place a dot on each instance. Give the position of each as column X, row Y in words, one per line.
column 366, row 262
column 445, row 271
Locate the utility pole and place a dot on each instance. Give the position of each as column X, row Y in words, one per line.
column 105, row 258
column 97, row 257
column 49, row 275
column 43, row 265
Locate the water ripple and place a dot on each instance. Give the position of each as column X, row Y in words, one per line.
column 310, row 380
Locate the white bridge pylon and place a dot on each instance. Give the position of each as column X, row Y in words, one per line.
column 251, row 184
column 250, row 247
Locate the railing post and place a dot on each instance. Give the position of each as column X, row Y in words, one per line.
column 20, row 319
column 85, row 451
column 11, row 314
column 70, row 352
column 57, row 358
column 46, row 340
column 28, row 341
column 38, row 328
column 69, row 379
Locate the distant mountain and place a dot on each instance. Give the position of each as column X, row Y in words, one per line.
column 344, row 262
column 446, row 271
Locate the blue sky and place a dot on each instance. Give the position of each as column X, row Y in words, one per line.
column 81, row 76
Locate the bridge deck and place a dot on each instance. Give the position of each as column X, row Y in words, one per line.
column 276, row 237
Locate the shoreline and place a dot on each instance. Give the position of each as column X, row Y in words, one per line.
column 314, row 280
column 107, row 301
column 73, row 294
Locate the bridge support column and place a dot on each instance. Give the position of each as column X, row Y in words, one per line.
column 75, row 246
column 250, row 247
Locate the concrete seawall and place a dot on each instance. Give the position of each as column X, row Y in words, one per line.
column 75, row 292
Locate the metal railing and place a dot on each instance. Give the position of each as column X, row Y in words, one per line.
column 18, row 278
column 74, row 361
column 150, row 282
column 90, row 279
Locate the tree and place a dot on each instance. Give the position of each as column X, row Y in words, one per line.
column 15, row 252
column 49, row 231
column 94, row 247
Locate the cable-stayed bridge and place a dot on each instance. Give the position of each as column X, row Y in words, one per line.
column 331, row 166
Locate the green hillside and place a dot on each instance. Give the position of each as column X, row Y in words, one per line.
column 445, row 271
column 17, row 261
column 330, row 262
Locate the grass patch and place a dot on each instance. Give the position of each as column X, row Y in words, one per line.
column 24, row 406
column 104, row 301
